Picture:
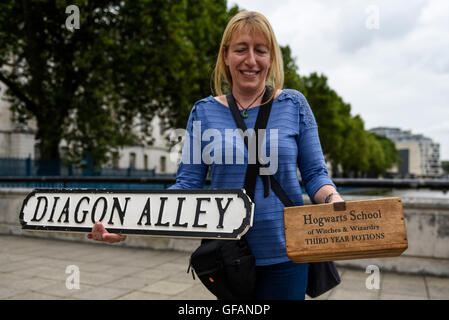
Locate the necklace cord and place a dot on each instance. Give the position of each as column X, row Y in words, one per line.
column 263, row 91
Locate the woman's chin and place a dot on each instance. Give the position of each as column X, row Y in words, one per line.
column 250, row 86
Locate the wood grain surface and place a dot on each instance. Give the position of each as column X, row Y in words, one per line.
column 345, row 230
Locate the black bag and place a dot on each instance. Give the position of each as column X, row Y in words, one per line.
column 322, row 277
column 227, row 268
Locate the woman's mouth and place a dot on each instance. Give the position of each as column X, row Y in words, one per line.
column 249, row 73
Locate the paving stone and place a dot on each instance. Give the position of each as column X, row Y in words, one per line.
column 100, row 293
column 15, row 266
column 83, row 266
column 96, row 278
column 60, row 290
column 166, row 287
column 196, row 292
column 122, row 271
column 347, row 294
column 131, row 283
column 389, row 296
column 11, row 257
column 7, row 279
column 438, row 287
column 141, row 295
column 183, row 276
column 44, row 272
column 31, row 295
column 6, row 292
column 173, row 268
column 30, row 283
column 400, row 284
column 156, row 274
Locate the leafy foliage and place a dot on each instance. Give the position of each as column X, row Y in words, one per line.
column 126, row 63
column 445, row 166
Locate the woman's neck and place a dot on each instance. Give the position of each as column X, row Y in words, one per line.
column 245, row 97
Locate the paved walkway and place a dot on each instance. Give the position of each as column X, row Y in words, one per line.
column 34, row 268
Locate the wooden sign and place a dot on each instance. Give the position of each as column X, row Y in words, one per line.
column 345, row 230
column 224, row 213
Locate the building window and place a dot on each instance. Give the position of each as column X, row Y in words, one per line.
column 132, row 160
column 163, row 164
column 145, row 162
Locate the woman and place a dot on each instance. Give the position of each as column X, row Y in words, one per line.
column 248, row 60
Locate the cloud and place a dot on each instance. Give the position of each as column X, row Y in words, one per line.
column 360, row 24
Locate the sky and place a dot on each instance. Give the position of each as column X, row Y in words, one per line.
column 388, row 59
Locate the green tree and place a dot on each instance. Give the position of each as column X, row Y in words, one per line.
column 331, row 114
column 389, row 156
column 292, row 79
column 445, row 166
column 92, row 87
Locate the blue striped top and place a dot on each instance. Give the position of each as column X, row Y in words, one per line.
column 226, row 157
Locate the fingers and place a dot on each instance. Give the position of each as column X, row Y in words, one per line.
column 99, row 233
column 113, row 237
column 99, row 227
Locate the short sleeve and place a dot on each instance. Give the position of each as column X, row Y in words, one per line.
column 311, row 162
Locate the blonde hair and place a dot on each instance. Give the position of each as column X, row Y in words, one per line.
column 256, row 23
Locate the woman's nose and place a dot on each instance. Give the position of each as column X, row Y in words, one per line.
column 251, row 58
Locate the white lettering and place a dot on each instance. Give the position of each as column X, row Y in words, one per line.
column 373, row 281
column 73, row 20
column 73, row 280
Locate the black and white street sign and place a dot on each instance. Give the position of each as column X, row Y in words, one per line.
column 213, row 213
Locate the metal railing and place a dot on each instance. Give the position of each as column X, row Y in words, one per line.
column 34, row 167
column 437, row 184
column 164, row 182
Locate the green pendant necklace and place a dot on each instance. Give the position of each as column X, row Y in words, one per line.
column 244, row 112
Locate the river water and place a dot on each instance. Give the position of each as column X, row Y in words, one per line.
column 416, row 194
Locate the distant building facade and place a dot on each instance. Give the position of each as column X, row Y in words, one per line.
column 18, row 141
column 156, row 157
column 420, row 155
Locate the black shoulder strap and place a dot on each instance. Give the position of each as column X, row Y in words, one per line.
column 252, row 170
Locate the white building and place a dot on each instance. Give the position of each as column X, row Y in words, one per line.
column 157, row 156
column 419, row 154
column 18, row 141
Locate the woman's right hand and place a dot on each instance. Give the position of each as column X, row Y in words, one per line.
column 99, row 233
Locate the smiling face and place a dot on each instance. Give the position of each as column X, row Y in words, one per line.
column 248, row 60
